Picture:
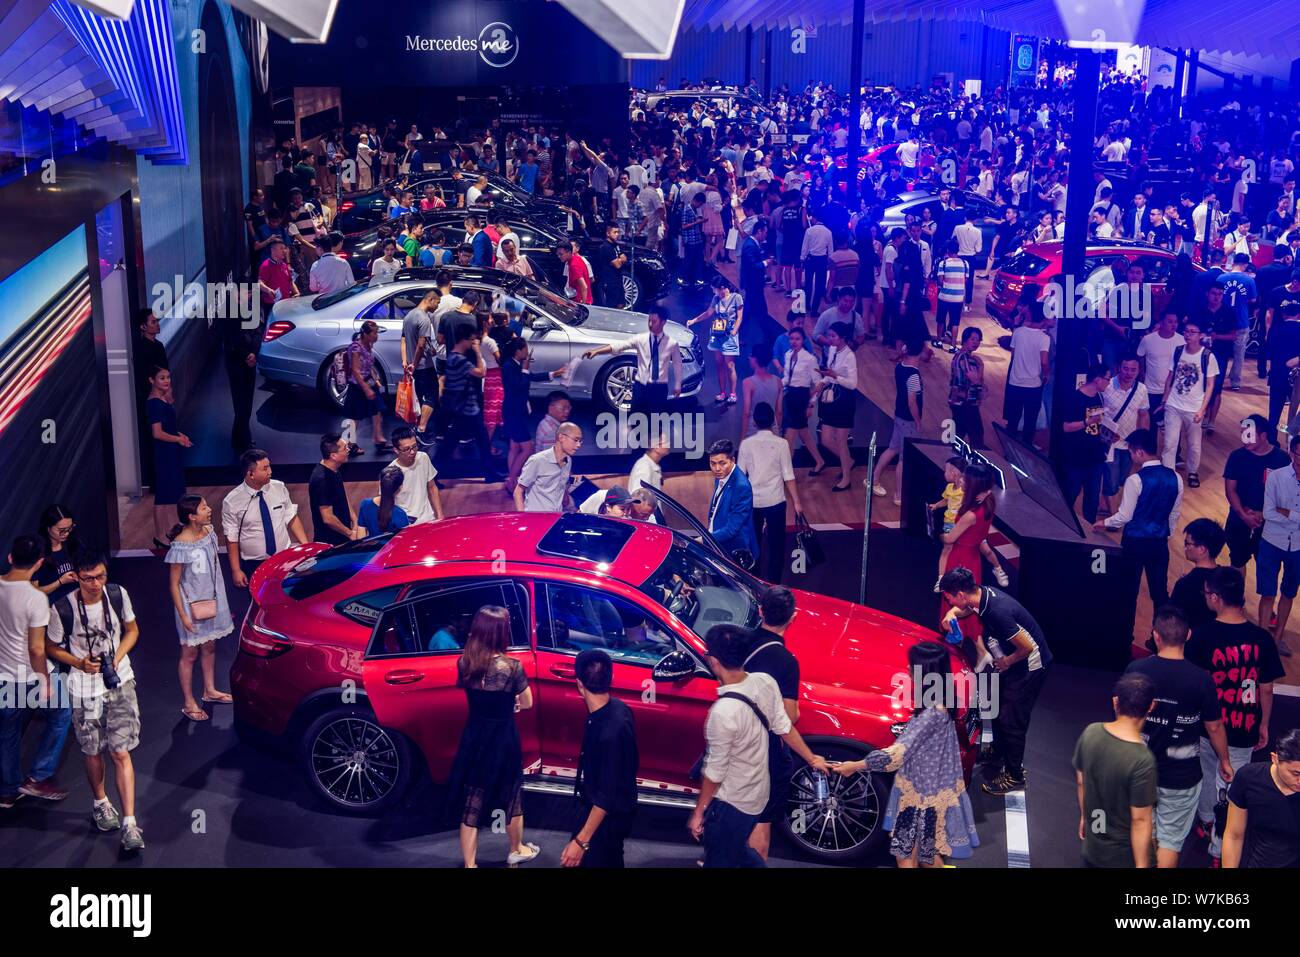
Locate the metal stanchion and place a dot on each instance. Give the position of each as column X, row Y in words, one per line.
column 866, row 526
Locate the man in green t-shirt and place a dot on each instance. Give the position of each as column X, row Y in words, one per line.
column 1116, row 777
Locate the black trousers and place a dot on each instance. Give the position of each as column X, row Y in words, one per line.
column 1016, row 697
column 649, row 397
column 769, row 531
column 1022, row 402
column 1149, row 556
column 814, row 281
column 968, row 423
column 607, row 843
column 243, row 383
column 970, row 276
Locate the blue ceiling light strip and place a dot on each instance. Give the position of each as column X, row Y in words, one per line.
column 138, row 56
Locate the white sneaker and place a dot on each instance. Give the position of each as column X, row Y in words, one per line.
column 514, row 858
column 1000, row 576
column 936, row 584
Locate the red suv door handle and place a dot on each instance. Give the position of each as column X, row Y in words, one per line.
column 564, row 671
column 404, row 677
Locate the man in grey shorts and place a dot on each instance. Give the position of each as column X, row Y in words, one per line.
column 90, row 633
column 1185, row 702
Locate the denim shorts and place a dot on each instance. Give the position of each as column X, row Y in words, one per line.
column 1268, row 562
column 1175, row 812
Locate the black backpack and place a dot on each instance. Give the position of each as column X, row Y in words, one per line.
column 63, row 607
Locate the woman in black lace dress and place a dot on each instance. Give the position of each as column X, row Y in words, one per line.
column 487, row 777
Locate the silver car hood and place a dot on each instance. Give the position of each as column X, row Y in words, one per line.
column 619, row 324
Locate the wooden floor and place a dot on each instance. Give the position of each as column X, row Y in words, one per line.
column 875, row 378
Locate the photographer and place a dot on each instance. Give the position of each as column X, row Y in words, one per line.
column 90, row 635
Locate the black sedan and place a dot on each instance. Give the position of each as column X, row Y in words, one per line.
column 645, row 276
column 358, row 212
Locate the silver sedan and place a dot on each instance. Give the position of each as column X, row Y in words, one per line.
column 304, row 335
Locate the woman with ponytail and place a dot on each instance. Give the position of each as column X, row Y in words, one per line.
column 198, row 591
column 382, row 513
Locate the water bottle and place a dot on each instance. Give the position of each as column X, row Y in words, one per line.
column 821, row 787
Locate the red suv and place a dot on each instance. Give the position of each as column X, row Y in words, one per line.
column 350, row 653
column 1041, row 263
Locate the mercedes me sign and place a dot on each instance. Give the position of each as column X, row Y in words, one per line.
column 497, row 44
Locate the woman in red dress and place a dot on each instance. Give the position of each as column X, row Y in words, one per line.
column 974, row 519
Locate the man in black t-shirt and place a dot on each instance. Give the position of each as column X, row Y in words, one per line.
column 331, row 516
column 1243, row 480
column 1015, row 644
column 1263, row 827
column 1083, row 457
column 606, row 785
column 1242, row 661
column 770, row 656
column 1202, row 542
column 608, row 261
column 1185, row 702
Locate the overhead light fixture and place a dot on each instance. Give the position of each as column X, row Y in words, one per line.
column 115, row 9
column 637, row 29
column 1100, row 24
column 298, row 21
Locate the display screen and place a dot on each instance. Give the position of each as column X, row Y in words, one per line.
column 49, row 402
column 1037, row 479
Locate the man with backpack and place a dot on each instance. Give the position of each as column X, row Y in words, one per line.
column 89, row 637
column 735, row 785
column 1187, row 395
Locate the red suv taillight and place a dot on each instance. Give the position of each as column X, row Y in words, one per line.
column 345, row 206
column 277, row 329
column 258, row 641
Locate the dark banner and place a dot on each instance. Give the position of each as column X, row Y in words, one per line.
column 457, row 43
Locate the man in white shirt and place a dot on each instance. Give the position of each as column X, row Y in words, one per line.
column 907, row 153
column 1187, row 395
column 765, row 458
column 419, row 496
column 1026, row 376
column 970, row 242
column 735, row 784
column 655, row 352
column 257, row 518
column 330, row 273
column 648, row 471
column 1157, row 351
column 818, row 244
column 25, row 682
column 91, row 627
column 652, row 214
column 1125, row 408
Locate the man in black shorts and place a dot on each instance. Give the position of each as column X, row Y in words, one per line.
column 770, row 656
column 1243, row 481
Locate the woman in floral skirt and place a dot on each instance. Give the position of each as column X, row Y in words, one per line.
column 929, row 813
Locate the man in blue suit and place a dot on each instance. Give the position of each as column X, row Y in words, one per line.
column 731, row 508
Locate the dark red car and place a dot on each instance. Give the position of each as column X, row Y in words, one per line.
column 1041, row 263
column 351, row 654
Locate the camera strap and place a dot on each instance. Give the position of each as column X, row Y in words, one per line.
column 108, row 604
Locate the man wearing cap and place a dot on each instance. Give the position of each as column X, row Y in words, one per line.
column 612, row 502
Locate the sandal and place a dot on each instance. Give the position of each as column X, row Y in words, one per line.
column 196, row 715
column 514, row 857
column 221, row 697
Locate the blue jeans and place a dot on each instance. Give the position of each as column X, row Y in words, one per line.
column 13, row 721
column 726, row 837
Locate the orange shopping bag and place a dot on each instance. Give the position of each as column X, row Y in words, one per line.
column 406, row 406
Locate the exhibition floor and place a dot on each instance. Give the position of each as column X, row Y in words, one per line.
column 207, row 800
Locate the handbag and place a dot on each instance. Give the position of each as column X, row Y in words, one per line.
column 405, row 406
column 807, row 542
column 205, row 609
column 733, row 238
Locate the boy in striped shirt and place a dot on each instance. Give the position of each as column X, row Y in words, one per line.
column 951, row 273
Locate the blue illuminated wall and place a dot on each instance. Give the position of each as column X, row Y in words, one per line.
column 171, row 219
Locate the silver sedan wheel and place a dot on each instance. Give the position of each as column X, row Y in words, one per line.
column 618, row 386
